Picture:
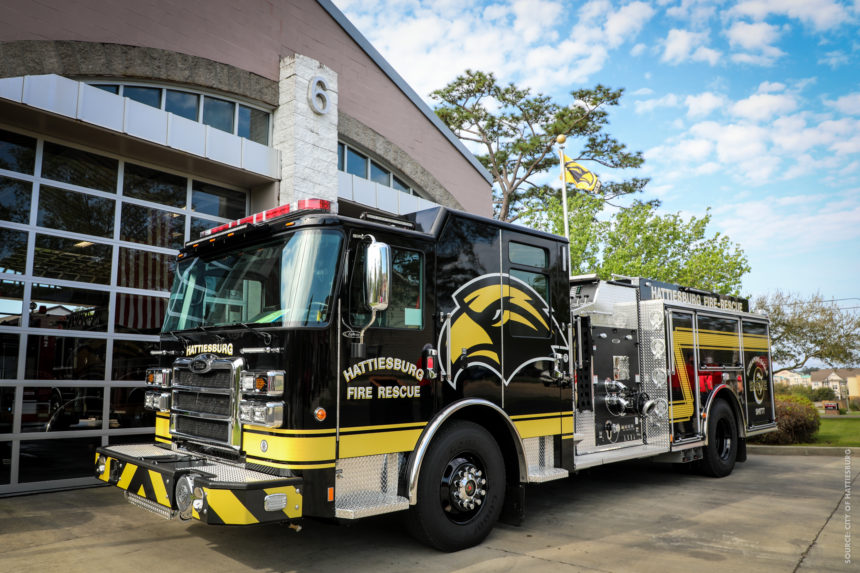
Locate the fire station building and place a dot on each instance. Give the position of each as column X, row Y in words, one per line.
column 126, row 129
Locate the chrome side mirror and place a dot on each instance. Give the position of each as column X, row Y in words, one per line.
column 377, row 275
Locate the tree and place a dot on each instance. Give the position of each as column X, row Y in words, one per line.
column 638, row 241
column 805, row 328
column 516, row 132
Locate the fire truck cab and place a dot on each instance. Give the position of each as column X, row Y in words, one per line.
column 348, row 364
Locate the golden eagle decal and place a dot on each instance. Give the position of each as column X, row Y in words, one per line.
column 474, row 328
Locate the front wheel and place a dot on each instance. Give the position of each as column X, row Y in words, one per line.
column 461, row 488
column 720, row 454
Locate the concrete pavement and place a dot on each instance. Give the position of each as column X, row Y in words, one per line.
column 774, row 513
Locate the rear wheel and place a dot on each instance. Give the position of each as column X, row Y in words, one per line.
column 720, row 454
column 460, row 490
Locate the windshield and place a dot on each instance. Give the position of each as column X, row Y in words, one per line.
column 284, row 283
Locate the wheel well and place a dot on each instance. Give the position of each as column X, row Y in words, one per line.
column 724, row 394
column 501, row 431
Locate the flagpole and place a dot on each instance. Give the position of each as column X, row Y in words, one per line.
column 561, row 139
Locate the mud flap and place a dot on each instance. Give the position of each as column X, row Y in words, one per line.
column 173, row 484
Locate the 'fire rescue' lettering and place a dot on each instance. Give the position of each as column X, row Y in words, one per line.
column 382, row 392
column 382, row 363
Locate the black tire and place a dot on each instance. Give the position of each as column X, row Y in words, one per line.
column 720, row 454
column 453, row 518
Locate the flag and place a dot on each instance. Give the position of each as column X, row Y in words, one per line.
column 581, row 177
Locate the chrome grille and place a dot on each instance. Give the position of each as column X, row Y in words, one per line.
column 205, row 402
column 209, row 430
column 211, row 379
column 201, row 403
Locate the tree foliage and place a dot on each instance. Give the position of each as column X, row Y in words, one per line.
column 516, row 131
column 805, row 328
column 638, row 241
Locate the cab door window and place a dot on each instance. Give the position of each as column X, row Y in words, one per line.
column 406, row 301
column 528, row 264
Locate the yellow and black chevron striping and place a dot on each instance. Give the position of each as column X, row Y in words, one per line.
column 223, row 504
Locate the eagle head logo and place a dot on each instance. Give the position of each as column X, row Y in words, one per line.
column 483, row 306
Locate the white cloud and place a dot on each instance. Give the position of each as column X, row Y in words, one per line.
column 530, row 18
column 770, row 87
column 761, row 107
column 834, row 59
column 626, row 22
column 820, row 14
column 696, row 12
column 642, row 92
column 756, row 40
column 638, row 50
column 648, row 105
column 683, row 45
column 703, row 104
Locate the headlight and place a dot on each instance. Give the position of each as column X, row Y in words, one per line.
column 269, row 414
column 157, row 401
column 269, row 383
column 158, row 377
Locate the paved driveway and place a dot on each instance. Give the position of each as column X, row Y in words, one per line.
column 774, row 513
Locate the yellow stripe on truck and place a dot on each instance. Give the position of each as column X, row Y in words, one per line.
column 228, row 507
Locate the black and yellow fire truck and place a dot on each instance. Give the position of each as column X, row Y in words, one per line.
column 348, row 364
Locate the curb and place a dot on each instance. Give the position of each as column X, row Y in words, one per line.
column 801, row 450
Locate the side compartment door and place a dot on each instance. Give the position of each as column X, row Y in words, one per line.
column 683, row 389
column 533, row 338
column 758, row 376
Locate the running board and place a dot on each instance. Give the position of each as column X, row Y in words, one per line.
column 540, row 460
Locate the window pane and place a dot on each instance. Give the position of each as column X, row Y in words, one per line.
column 48, row 409
column 152, row 226
column 218, row 113
column 405, row 308
column 151, row 185
column 15, row 200
column 69, row 308
column 719, row 343
column 340, row 150
column 131, row 359
column 13, row 251
column 112, row 88
column 65, row 358
column 145, row 269
column 43, row 460
column 535, row 280
column 379, row 174
column 198, row 225
column 527, row 255
column 72, row 260
column 5, row 462
column 356, row 163
column 139, row 314
column 76, row 212
column 182, row 104
column 213, row 200
column 254, row 124
column 78, row 167
column 17, row 152
column 8, row 357
column 144, row 95
column 400, row 185
column 7, row 410
column 127, row 411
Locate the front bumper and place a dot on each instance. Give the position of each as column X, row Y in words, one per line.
column 220, row 493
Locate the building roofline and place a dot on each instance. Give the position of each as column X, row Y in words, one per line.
column 398, row 80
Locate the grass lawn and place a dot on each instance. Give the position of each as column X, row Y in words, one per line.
column 841, row 431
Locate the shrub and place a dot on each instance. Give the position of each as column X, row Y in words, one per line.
column 797, row 421
column 854, row 404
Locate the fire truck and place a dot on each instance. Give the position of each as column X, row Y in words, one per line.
column 330, row 361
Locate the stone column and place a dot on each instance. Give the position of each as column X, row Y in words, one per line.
column 305, row 130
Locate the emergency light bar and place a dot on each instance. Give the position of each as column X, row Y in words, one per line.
column 273, row 213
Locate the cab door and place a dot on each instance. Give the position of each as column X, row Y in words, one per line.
column 384, row 386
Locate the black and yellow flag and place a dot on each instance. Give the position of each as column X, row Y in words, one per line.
column 581, row 177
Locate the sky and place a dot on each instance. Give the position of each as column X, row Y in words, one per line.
column 748, row 107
